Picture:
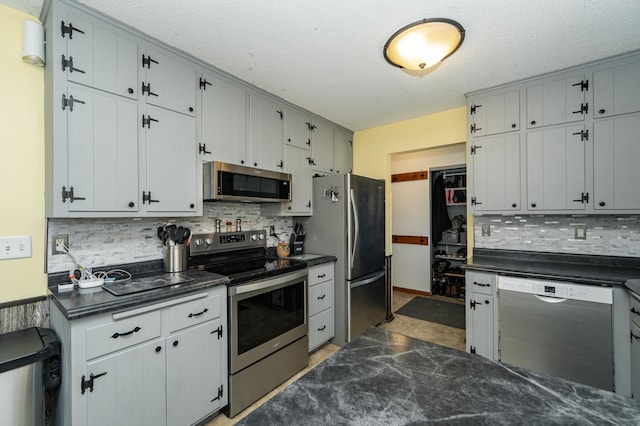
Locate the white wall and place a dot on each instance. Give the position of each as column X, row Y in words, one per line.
column 411, row 210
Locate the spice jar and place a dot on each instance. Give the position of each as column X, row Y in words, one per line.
column 238, row 225
column 229, row 226
column 218, row 221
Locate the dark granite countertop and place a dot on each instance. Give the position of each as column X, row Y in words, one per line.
column 584, row 269
column 79, row 303
column 314, row 259
column 384, row 378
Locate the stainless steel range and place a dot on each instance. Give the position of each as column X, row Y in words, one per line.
column 267, row 306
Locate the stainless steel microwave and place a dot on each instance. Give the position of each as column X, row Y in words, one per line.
column 231, row 182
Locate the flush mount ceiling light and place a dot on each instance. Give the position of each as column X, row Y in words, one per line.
column 423, row 44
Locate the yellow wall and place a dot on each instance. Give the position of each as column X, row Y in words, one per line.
column 372, row 148
column 21, row 160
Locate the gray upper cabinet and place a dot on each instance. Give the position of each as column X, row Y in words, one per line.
column 616, row 173
column 343, row 152
column 297, row 129
column 322, row 147
column 224, row 121
column 556, row 169
column 494, row 166
column 490, row 115
column 266, row 134
column 94, row 55
column 168, row 82
column 577, row 152
column 557, row 101
column 616, row 90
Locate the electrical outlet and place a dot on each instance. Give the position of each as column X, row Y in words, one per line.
column 580, row 232
column 58, row 243
column 272, row 231
column 486, row 230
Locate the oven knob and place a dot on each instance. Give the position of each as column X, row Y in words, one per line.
column 209, row 241
column 198, row 242
column 254, row 237
column 261, row 236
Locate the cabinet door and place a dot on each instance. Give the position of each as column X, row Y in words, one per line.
column 297, row 129
column 556, row 169
column 102, row 151
column 322, row 147
column 171, row 161
column 635, row 361
column 495, row 114
column 169, row 82
column 99, row 57
column 616, row 90
column 224, row 121
column 192, row 393
column 615, row 158
column 556, row 102
column 297, row 164
column 343, row 152
column 266, row 137
column 481, row 315
column 128, row 388
column 496, row 174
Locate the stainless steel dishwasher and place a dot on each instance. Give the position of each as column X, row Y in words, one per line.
column 557, row 328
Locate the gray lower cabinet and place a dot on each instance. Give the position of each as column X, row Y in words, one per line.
column 635, row 345
column 321, row 301
column 161, row 364
column 482, row 314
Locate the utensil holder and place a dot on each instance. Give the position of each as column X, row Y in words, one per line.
column 175, row 258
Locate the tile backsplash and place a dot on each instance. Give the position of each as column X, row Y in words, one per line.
column 102, row 242
column 606, row 235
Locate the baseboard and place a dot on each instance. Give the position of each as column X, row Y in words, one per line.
column 412, row 291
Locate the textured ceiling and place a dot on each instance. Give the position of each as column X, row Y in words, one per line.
column 326, row 56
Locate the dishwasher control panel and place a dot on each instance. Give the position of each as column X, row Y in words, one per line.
column 557, row 289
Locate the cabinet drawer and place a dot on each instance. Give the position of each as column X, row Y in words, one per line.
column 121, row 334
column 320, row 273
column 321, row 328
column 320, row 297
column 634, row 304
column 477, row 282
column 195, row 312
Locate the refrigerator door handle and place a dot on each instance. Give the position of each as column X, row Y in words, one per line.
column 354, row 208
column 355, row 284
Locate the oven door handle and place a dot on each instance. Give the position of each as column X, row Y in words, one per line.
column 270, row 282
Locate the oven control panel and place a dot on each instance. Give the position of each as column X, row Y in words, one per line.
column 225, row 241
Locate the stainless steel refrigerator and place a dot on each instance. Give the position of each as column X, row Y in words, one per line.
column 348, row 222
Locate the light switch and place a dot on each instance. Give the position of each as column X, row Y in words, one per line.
column 15, row 247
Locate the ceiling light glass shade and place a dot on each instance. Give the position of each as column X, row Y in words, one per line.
column 423, row 44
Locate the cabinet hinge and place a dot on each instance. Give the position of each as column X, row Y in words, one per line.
column 281, row 114
column 310, row 126
column 474, row 148
column 146, row 121
column 474, row 202
column 202, row 149
column 584, row 198
column 472, row 304
column 584, row 108
column 69, row 29
column 472, row 349
column 147, row 198
column 584, row 85
column 473, row 108
column 146, row 88
column 475, row 128
column 146, row 60
column 220, row 393
column 218, row 331
column 69, row 63
column 204, row 83
column 69, row 195
column 634, row 336
column 88, row 384
column 68, row 102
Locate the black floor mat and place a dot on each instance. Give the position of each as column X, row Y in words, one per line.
column 445, row 313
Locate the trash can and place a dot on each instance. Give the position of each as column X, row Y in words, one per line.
column 29, row 368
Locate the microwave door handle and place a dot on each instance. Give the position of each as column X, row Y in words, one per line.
column 356, row 226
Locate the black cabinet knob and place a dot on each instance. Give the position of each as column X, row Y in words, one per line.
column 289, row 207
column 533, row 122
column 255, row 164
column 602, row 203
column 191, row 205
column 130, row 90
column 241, row 161
column 533, row 205
column 131, row 204
column 158, row 348
column 513, row 126
column 175, row 343
column 601, row 111
column 190, row 109
column 514, row 205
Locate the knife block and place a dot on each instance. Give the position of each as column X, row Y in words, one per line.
column 296, row 244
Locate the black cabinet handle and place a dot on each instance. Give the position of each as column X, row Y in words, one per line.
column 481, row 284
column 198, row 314
column 116, row 335
column 190, row 109
column 322, row 297
column 322, row 276
column 322, row 328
